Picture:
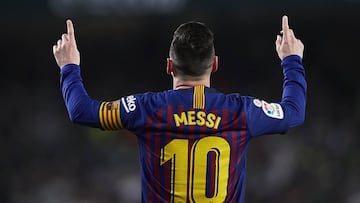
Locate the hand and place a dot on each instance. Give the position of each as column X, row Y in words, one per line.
column 65, row 51
column 287, row 44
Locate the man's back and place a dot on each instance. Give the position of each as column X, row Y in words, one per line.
column 193, row 141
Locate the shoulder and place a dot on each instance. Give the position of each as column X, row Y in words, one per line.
column 237, row 97
column 232, row 101
column 153, row 96
column 145, row 99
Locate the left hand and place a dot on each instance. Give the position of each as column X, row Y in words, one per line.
column 65, row 51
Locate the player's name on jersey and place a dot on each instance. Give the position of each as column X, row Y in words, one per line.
column 199, row 118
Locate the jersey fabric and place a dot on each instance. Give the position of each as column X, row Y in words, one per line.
column 192, row 142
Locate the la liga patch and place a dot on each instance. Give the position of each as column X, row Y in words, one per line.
column 272, row 110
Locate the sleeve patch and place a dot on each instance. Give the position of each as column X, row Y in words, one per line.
column 109, row 114
column 129, row 103
column 272, row 110
column 257, row 102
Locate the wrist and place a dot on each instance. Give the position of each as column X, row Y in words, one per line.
column 292, row 57
column 292, row 62
column 69, row 67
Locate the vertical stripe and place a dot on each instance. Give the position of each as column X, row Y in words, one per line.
column 172, row 182
column 115, row 113
column 100, row 114
column 110, row 120
column 241, row 146
column 105, row 118
column 113, row 117
column 199, row 97
column 181, row 127
column 234, row 152
column 225, row 126
column 243, row 131
column 156, row 137
column 148, row 138
column 194, row 98
column 166, row 168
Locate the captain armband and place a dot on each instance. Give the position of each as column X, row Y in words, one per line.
column 109, row 114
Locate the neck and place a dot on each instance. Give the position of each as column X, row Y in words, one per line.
column 182, row 84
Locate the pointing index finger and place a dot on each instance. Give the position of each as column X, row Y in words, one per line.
column 285, row 28
column 70, row 29
column 285, row 23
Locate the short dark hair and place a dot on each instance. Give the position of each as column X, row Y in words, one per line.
column 192, row 49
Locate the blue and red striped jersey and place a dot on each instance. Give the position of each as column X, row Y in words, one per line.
column 193, row 142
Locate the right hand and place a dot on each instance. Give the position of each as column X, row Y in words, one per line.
column 287, row 44
column 65, row 51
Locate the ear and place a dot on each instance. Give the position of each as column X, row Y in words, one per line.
column 215, row 64
column 169, row 66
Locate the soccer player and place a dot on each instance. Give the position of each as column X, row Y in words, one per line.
column 192, row 139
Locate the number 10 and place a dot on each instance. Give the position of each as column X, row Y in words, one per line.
column 177, row 153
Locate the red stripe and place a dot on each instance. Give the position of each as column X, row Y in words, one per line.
column 243, row 131
column 215, row 131
column 157, row 150
column 242, row 143
column 234, row 147
column 167, row 166
column 169, row 118
column 104, row 112
column 148, row 137
column 232, row 137
column 225, row 126
column 181, row 127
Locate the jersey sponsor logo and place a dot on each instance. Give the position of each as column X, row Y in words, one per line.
column 129, row 103
column 272, row 110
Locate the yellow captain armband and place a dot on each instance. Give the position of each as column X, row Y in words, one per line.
column 109, row 114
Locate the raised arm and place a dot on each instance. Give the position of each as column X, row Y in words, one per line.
column 290, row 51
column 278, row 117
column 81, row 108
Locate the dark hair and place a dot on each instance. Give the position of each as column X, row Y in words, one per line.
column 192, row 49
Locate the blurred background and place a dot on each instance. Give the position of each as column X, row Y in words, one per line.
column 44, row 158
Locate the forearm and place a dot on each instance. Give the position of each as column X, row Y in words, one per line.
column 81, row 108
column 294, row 90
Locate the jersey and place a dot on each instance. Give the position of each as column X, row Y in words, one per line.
column 193, row 142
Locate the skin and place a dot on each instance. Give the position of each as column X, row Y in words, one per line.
column 288, row 44
column 65, row 52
